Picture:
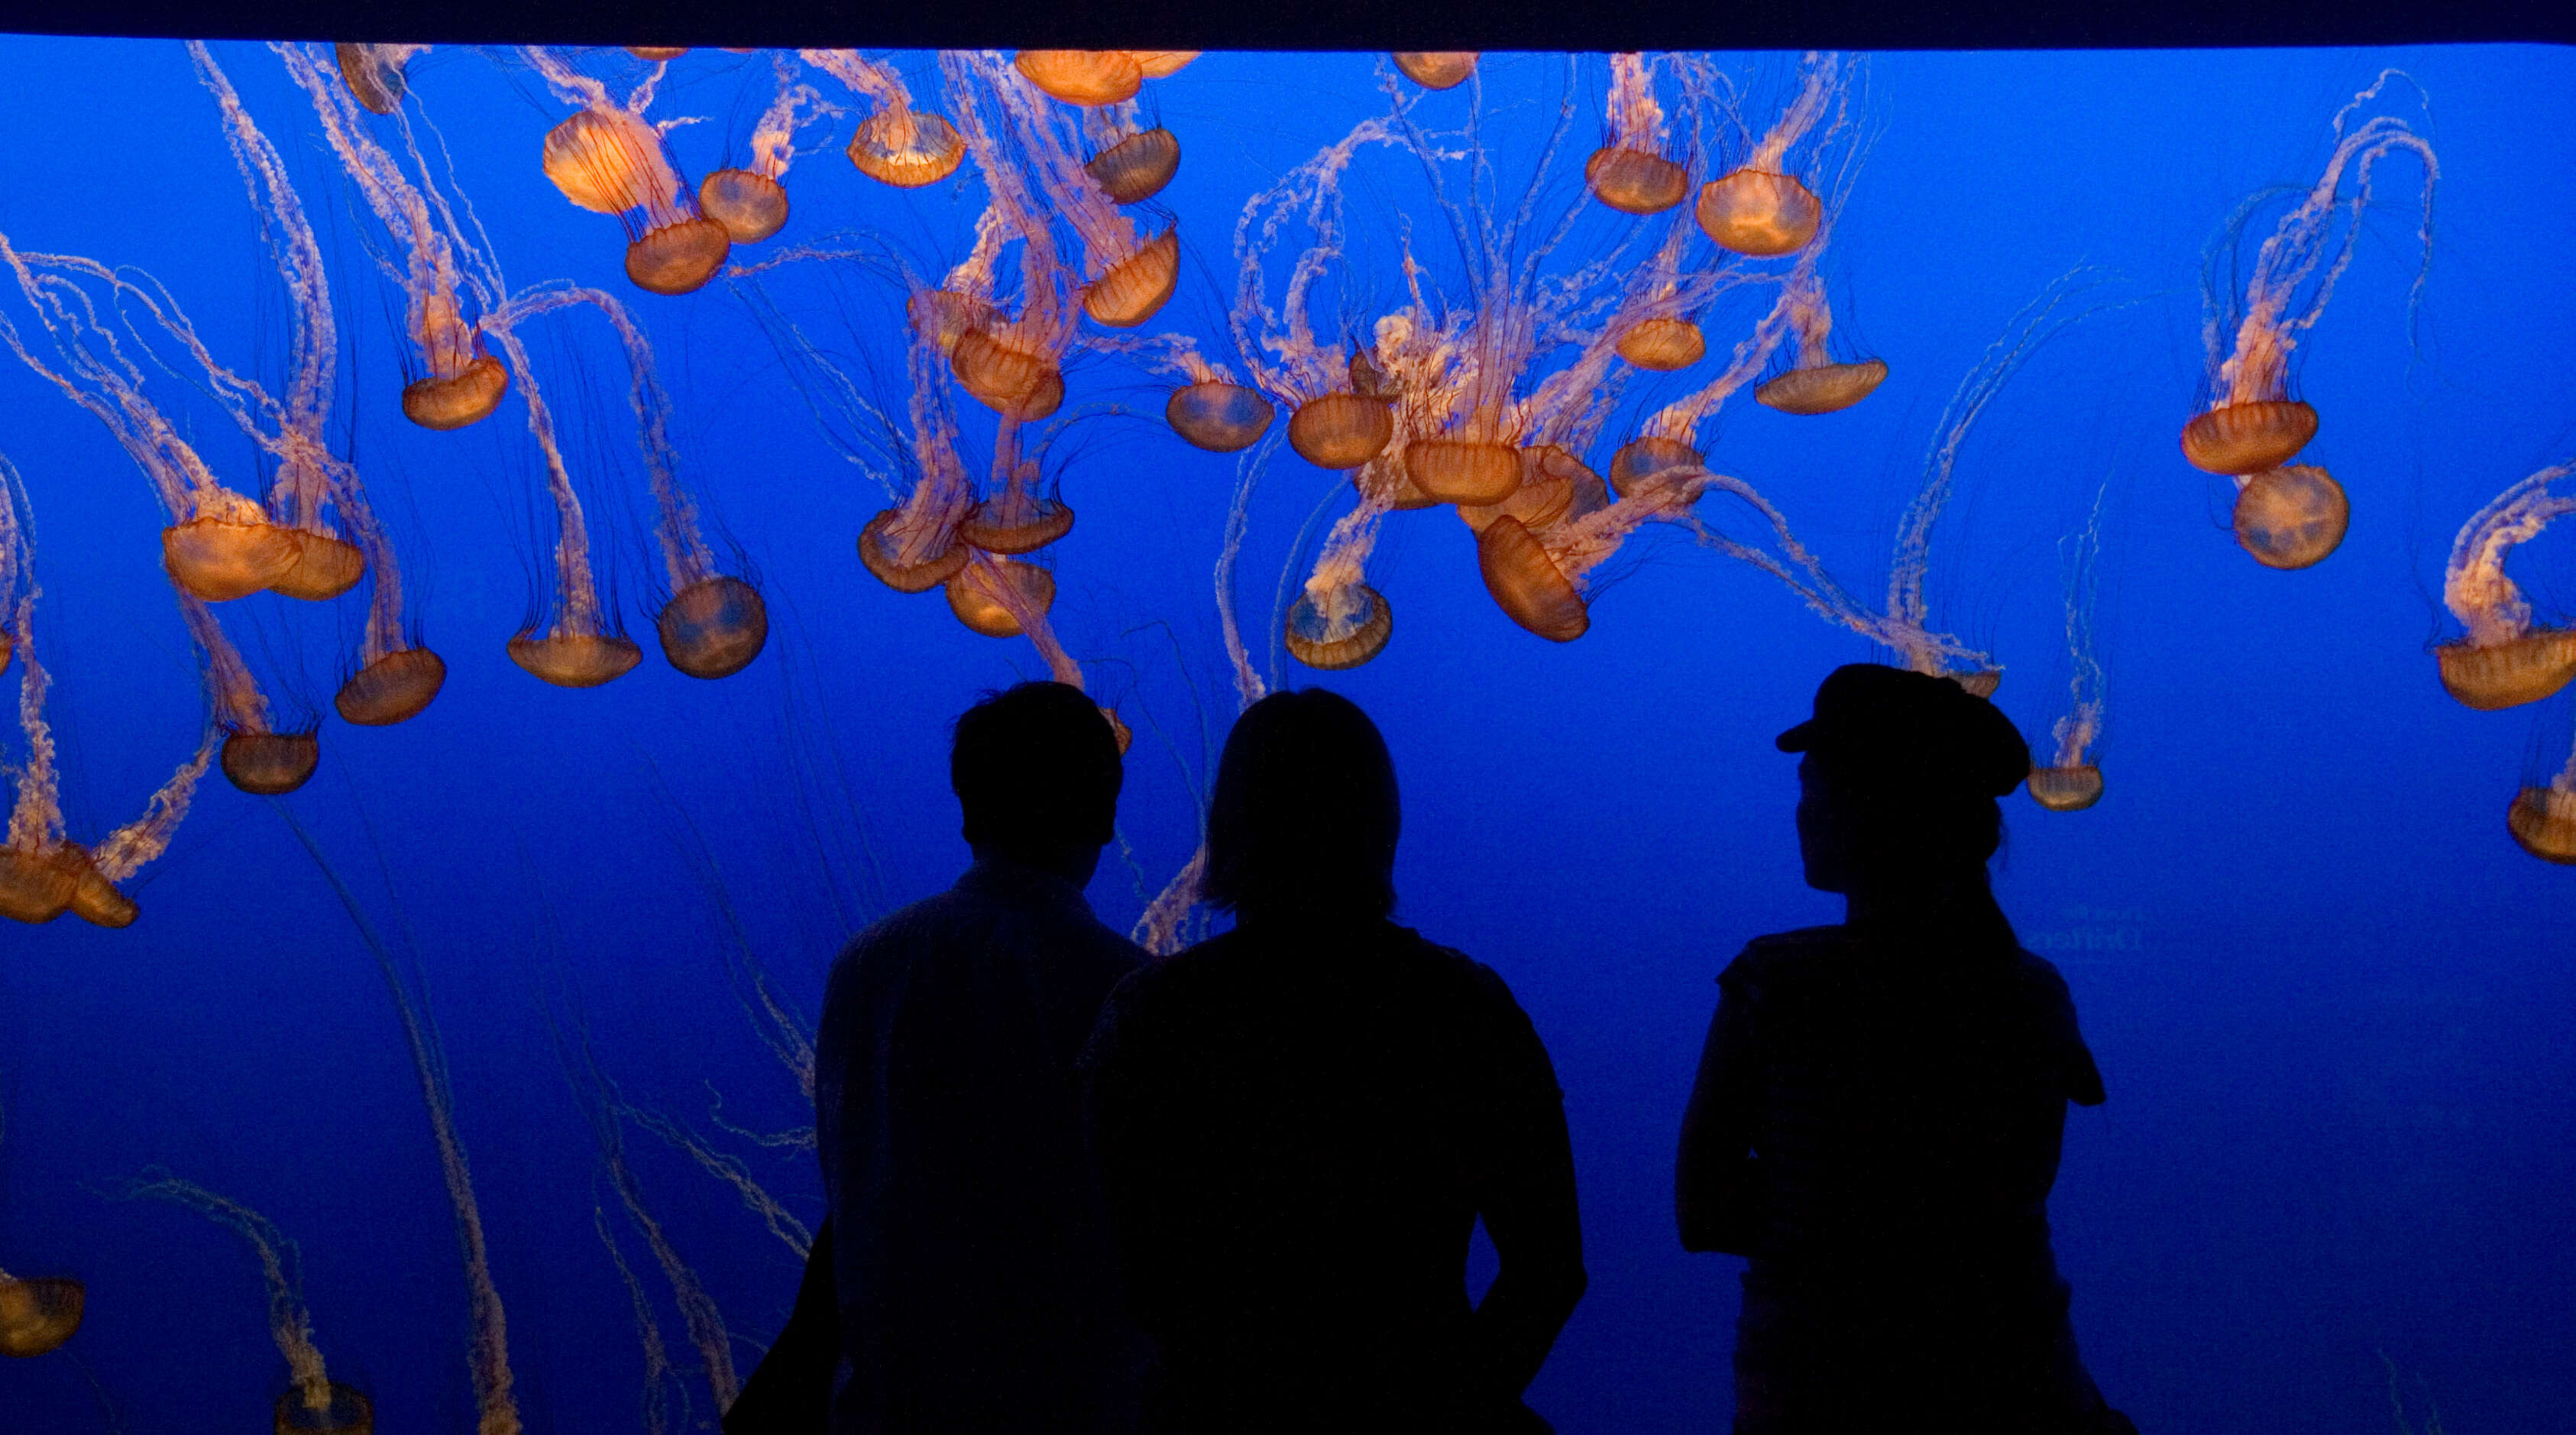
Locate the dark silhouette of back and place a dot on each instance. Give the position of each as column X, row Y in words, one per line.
column 974, row 1288
column 1880, row 1105
column 1300, row 1122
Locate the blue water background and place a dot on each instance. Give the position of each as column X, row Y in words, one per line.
column 2334, row 1005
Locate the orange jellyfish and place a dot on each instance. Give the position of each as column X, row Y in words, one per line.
column 2291, row 516
column 574, row 640
column 1631, row 173
column 2071, row 780
column 313, row 1402
column 611, row 160
column 1759, row 208
column 897, row 144
column 750, row 202
column 2506, row 659
column 42, row 874
column 1436, row 69
column 1814, row 383
column 1082, row 77
column 2542, row 817
column 38, row 1313
column 1032, row 159
column 373, row 74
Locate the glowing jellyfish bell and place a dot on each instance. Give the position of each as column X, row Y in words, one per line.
column 1341, row 430
column 575, row 659
column 611, row 161
column 1020, row 519
column 2249, row 437
column 2291, row 517
column 1648, row 460
column 1527, row 584
column 908, row 556
column 1346, row 627
column 1759, row 214
column 464, row 384
column 374, row 74
column 976, row 595
column 906, row 148
column 1133, row 289
column 1083, row 77
column 1663, row 344
column 2506, row 659
column 1007, row 372
column 2543, row 822
column 714, row 627
column 1463, row 470
column 750, row 205
column 38, row 1313
column 2066, row 789
column 1436, row 69
column 270, row 764
column 1136, row 168
column 1630, row 173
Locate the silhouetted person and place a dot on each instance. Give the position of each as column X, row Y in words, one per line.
column 1299, row 1122
column 1880, row 1106
column 975, row 1289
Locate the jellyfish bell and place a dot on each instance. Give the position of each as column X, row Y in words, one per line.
column 881, row 557
column 906, row 148
column 1163, row 64
column 2519, row 670
column 394, row 688
column 2066, row 789
column 751, row 206
column 270, row 764
column 323, row 568
column 1083, row 77
column 1663, row 345
column 38, row 1313
column 1436, row 69
column 95, row 899
column 1550, row 478
column 605, row 161
column 1979, row 684
column 2543, row 822
column 714, row 627
column 1136, row 168
column 1527, row 584
column 575, row 660
column 1016, row 522
column 1218, row 416
column 1823, row 389
column 1346, row 630
column 1759, row 214
column 943, row 316
column 342, row 1411
column 1467, row 471
column 1135, row 288
column 679, row 258
column 455, row 400
column 2248, row 438
column 1004, row 375
column 373, row 82
column 974, row 595
column 1635, row 181
column 656, row 54
column 2291, row 517
column 1341, row 430
column 35, row 886
column 220, row 559
column 1641, row 463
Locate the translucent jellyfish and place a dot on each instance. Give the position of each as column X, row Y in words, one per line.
column 1033, row 161
column 610, row 159
column 2506, row 659
column 2542, row 817
column 1759, row 208
column 488, row 1346
column 313, row 1402
column 374, row 73
column 656, row 54
column 1341, row 430
column 1214, row 412
column 1527, row 584
column 2290, row 517
column 897, row 144
column 1436, row 69
column 2252, row 425
column 1663, row 344
column 1814, row 383
column 1137, row 166
column 1083, row 77
column 1342, row 627
column 1630, row 173
column 2071, row 780
column 43, row 875
column 577, row 644
column 1022, row 518
column 38, row 1313
column 991, row 595
column 749, row 201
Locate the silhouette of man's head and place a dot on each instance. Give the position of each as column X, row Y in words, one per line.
column 1305, row 815
column 1900, row 779
column 1037, row 771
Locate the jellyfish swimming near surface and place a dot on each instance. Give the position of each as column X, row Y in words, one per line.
column 313, row 1403
column 2506, row 659
column 42, row 873
column 1436, row 69
column 1097, row 77
column 609, row 159
column 2292, row 516
column 1630, row 172
column 372, row 75
column 749, row 201
column 896, row 144
column 2071, row 780
column 1761, row 208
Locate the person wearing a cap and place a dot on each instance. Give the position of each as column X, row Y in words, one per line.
column 1880, row 1105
